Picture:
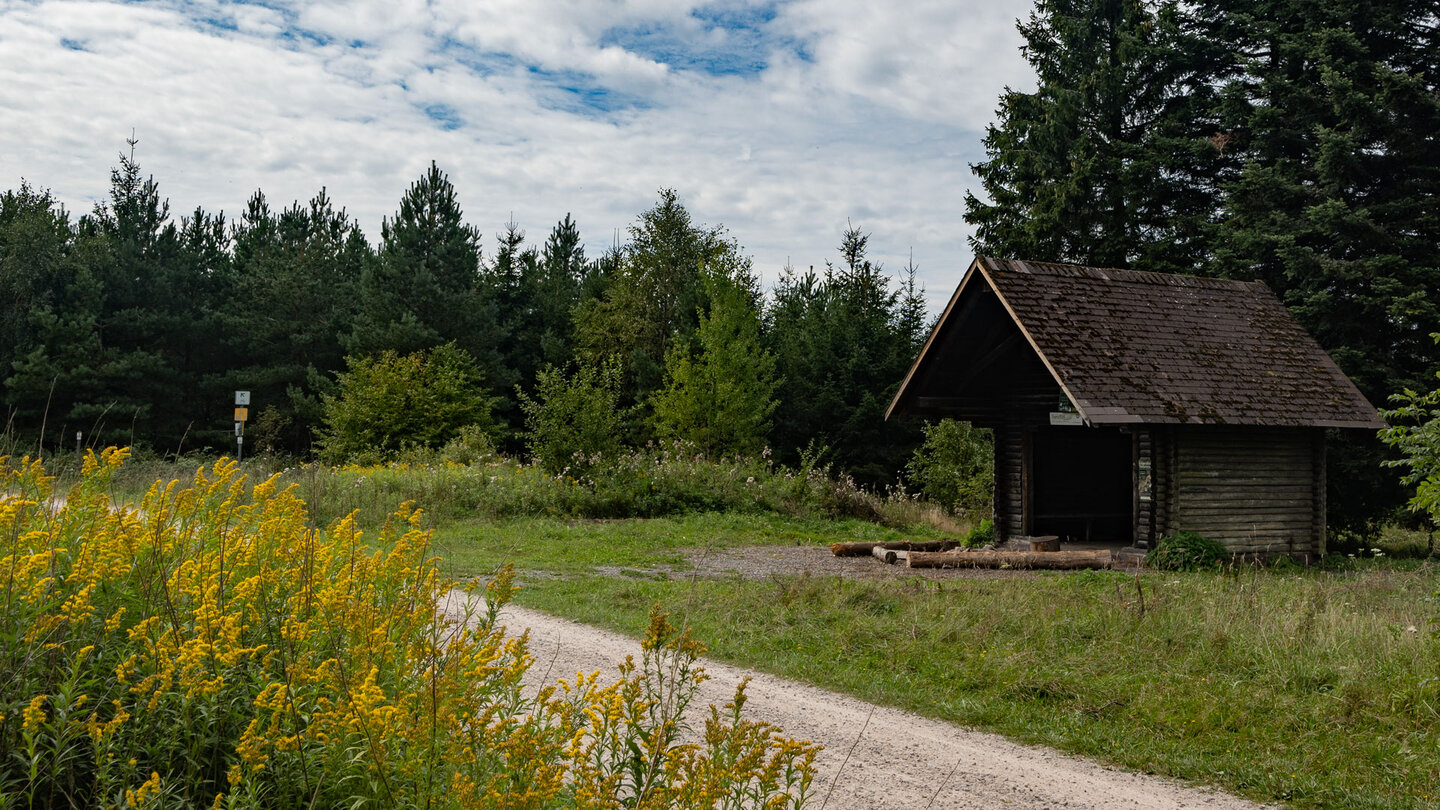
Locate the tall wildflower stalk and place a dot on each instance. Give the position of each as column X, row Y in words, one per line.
column 210, row 647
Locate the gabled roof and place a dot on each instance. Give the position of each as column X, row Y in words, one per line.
column 1129, row 347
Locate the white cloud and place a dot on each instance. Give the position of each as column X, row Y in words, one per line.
column 862, row 112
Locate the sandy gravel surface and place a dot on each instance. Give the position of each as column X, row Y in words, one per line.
column 901, row 760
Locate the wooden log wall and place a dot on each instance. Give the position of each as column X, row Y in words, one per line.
column 1252, row 489
column 1009, row 481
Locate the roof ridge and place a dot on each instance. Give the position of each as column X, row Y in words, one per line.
column 1118, row 274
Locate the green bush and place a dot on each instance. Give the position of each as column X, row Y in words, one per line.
column 471, row 444
column 954, row 468
column 391, row 402
column 1415, row 432
column 573, row 421
column 1187, row 551
column 981, row 533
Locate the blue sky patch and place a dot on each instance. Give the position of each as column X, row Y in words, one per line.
column 74, row 44
column 575, row 92
column 731, row 42
column 444, row 116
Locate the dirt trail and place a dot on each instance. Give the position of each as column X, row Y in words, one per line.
column 901, row 759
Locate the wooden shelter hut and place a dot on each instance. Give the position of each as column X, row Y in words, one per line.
column 1128, row 405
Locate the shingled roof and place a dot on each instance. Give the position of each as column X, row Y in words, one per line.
column 1136, row 347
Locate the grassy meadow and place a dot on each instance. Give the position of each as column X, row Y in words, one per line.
column 1309, row 687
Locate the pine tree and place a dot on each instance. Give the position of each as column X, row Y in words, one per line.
column 35, row 245
column 425, row 288
column 656, row 293
column 290, row 299
column 122, row 350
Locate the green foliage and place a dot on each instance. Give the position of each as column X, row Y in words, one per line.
column 1098, row 165
column 644, row 483
column 576, row 418
column 656, row 293
column 843, row 342
column 288, row 667
column 981, row 533
column 955, row 467
column 1415, row 432
column 472, row 444
column 1187, row 551
column 387, row 403
column 720, row 400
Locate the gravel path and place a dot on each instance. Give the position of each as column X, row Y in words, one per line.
column 901, row 760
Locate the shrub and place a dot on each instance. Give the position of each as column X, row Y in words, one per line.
column 572, row 420
column 981, row 533
column 210, row 648
column 1415, row 432
column 1187, row 551
column 954, row 467
column 391, row 402
column 471, row 444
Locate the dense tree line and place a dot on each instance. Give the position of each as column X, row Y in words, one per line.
column 1289, row 141
column 130, row 327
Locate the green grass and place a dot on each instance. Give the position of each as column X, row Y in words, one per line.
column 575, row 548
column 1306, row 687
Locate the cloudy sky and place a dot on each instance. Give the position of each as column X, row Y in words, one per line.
column 779, row 119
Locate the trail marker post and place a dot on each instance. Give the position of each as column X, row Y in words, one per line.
column 242, row 413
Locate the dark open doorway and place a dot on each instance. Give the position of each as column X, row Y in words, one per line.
column 1080, row 484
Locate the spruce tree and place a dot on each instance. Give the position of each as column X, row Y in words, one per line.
column 1331, row 109
column 843, row 341
column 719, row 397
column 1104, row 163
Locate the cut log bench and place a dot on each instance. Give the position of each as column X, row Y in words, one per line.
column 890, row 556
column 1044, row 553
column 1047, row 542
column 1088, row 558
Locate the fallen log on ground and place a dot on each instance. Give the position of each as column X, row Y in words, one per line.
column 890, row 556
column 1093, row 558
column 867, row 548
